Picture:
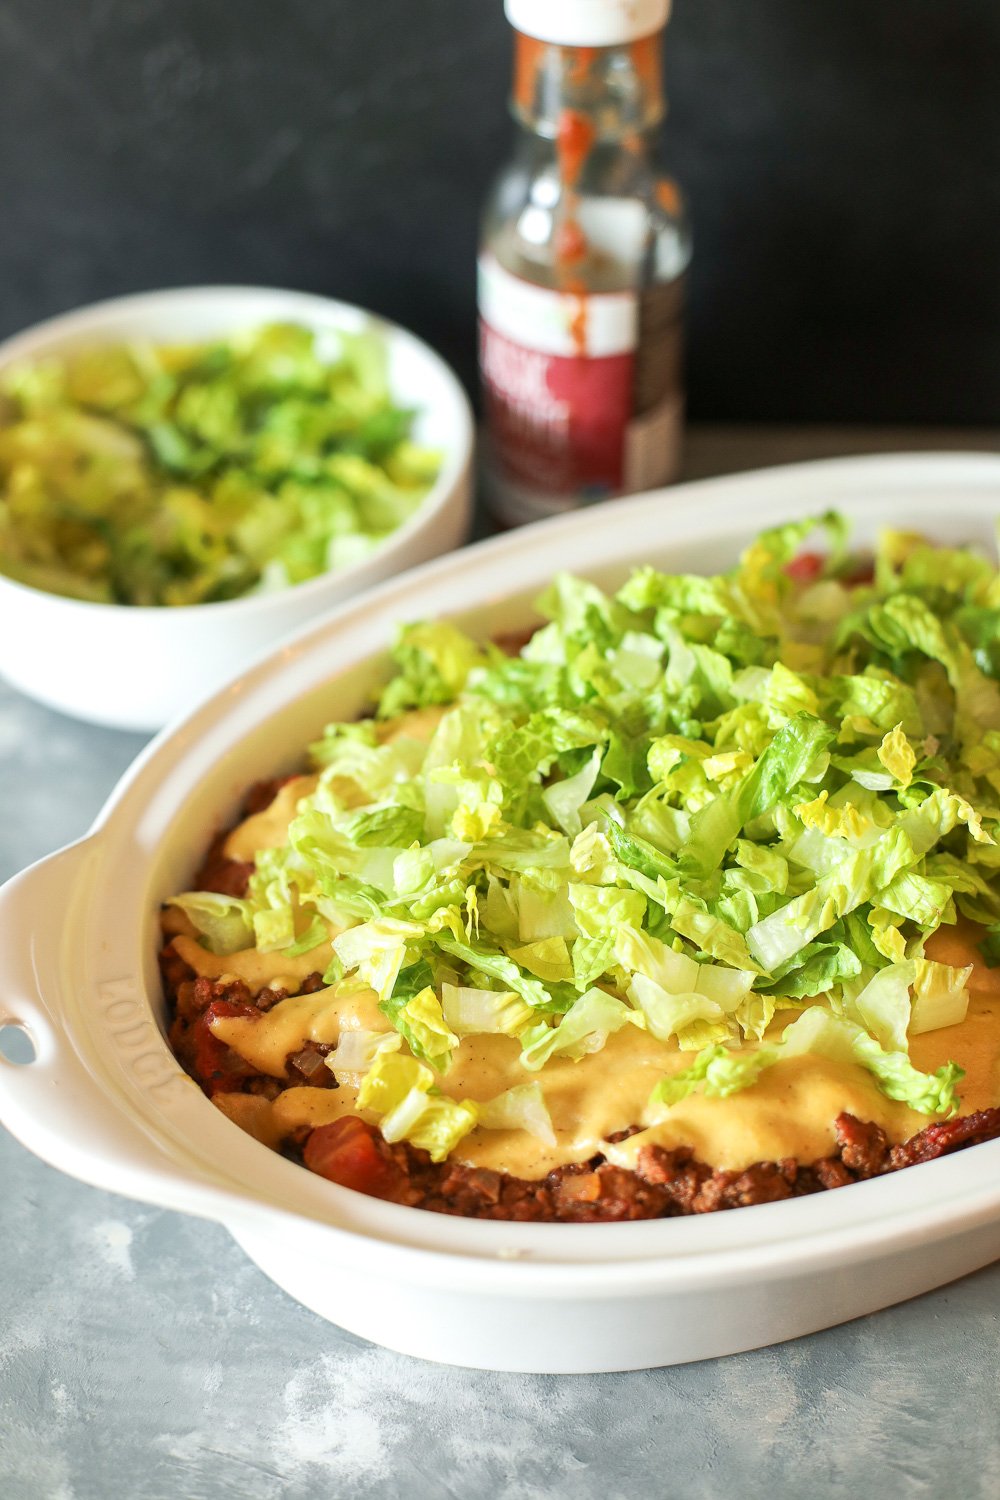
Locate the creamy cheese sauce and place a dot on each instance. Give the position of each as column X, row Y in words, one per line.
column 417, row 724
column 305, row 1108
column 257, row 970
column 265, row 1042
column 269, row 829
column 789, row 1111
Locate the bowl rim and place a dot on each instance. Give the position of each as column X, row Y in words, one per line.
column 92, row 316
column 925, row 1204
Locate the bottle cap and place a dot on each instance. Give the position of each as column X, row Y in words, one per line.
column 587, row 23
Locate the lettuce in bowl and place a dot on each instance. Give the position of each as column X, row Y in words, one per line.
column 157, row 474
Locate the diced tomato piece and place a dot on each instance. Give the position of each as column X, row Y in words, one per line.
column 351, row 1153
column 217, row 1066
column 806, row 567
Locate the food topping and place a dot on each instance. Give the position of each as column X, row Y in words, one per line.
column 172, row 475
column 708, row 866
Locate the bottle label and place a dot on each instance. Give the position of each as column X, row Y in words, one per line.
column 580, row 405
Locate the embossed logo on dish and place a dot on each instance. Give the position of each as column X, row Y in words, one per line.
column 138, row 1040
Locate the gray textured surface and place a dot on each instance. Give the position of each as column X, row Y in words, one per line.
column 142, row 1357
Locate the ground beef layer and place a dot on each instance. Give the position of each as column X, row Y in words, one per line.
column 667, row 1183
column 352, row 1153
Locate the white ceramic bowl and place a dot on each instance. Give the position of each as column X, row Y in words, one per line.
column 137, row 668
column 106, row 1101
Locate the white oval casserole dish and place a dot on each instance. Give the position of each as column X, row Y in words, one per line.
column 106, row 1101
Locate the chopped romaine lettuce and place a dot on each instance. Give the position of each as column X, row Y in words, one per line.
column 689, row 808
column 521, row 1108
column 718, row 1072
column 356, row 1051
column 224, row 922
column 940, row 996
column 584, row 1028
column 472, row 1012
column 185, row 475
column 401, row 1091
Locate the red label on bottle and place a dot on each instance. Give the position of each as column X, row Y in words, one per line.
column 578, row 406
column 556, row 422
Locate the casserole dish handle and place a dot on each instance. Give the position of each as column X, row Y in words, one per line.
column 54, row 1104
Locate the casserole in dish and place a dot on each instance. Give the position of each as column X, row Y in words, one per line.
column 106, row 1101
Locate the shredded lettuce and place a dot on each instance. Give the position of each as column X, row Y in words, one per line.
column 225, row 922
column 376, row 950
column 422, row 1022
column 883, row 1006
column 356, row 1051
column 471, row 1012
column 434, row 660
column 584, row 1028
column 401, row 1091
column 184, row 475
column 717, row 1072
column 522, row 1107
column 940, row 996
column 689, row 807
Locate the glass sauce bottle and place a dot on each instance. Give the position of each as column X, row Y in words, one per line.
column 581, row 271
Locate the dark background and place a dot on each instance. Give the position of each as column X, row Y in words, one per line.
column 842, row 160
